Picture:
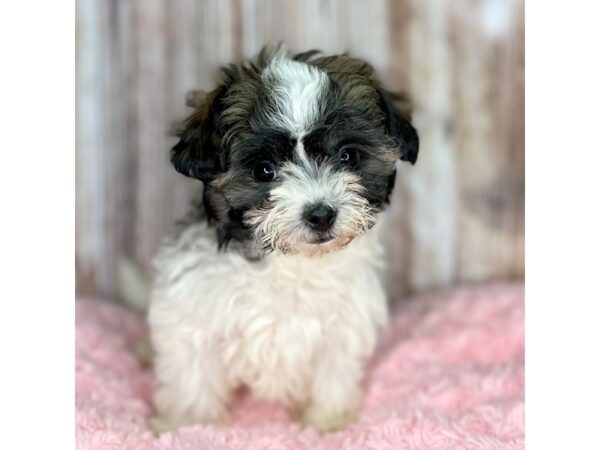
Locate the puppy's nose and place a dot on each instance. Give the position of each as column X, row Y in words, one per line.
column 319, row 217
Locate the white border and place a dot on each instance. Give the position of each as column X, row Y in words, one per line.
column 562, row 225
column 37, row 238
column 562, row 236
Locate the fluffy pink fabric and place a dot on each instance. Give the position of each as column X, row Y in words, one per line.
column 448, row 374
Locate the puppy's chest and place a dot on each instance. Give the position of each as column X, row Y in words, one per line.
column 281, row 319
column 287, row 288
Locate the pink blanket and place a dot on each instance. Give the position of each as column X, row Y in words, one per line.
column 448, row 374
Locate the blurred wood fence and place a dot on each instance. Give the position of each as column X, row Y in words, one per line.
column 457, row 216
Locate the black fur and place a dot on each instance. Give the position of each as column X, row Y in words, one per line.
column 230, row 132
column 400, row 128
column 199, row 153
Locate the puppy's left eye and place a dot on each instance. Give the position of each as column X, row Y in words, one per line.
column 349, row 156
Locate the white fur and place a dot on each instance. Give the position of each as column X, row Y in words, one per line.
column 296, row 88
column 295, row 330
column 300, row 151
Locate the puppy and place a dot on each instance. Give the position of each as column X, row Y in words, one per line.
column 273, row 281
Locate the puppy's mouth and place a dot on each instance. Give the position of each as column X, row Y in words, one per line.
column 322, row 239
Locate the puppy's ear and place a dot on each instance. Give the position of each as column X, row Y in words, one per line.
column 199, row 153
column 398, row 116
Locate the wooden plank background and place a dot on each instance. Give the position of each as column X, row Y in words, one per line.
column 457, row 216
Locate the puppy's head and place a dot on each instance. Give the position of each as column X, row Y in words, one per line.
column 297, row 152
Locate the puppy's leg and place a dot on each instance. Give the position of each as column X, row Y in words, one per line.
column 336, row 394
column 191, row 386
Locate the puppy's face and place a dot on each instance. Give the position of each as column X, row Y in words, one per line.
column 297, row 153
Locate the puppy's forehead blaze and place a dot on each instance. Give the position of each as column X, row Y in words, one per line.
column 295, row 92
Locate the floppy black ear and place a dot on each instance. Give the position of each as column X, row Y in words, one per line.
column 399, row 126
column 199, row 153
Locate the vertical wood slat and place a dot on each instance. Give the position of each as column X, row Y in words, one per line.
column 150, row 31
column 182, row 61
column 426, row 196
column 398, row 80
column 89, row 207
column 457, row 215
column 104, row 164
column 488, row 89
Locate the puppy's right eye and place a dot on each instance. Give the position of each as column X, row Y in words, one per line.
column 264, row 171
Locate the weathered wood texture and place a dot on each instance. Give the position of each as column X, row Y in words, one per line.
column 457, row 215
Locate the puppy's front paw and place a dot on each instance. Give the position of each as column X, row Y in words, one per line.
column 325, row 419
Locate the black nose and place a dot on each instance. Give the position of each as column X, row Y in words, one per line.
column 319, row 217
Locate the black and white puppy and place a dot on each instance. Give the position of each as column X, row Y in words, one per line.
column 273, row 282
